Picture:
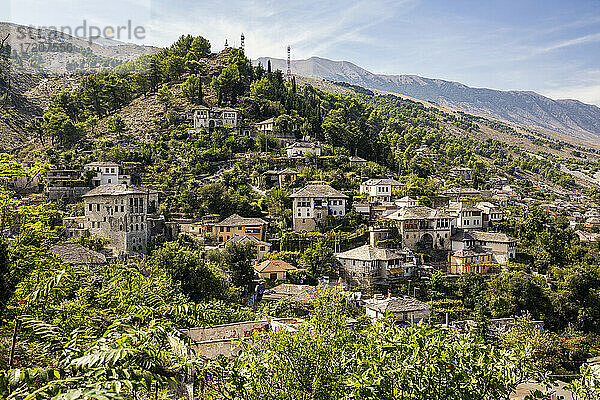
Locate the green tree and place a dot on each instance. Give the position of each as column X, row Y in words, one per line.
column 165, row 97
column 238, row 259
column 192, row 89
column 116, row 124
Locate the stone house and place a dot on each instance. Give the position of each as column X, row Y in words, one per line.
column 268, row 128
column 423, row 228
column 314, row 203
column 462, row 172
column 76, row 254
column 120, row 214
column 405, row 310
column 379, row 189
column 271, row 178
column 65, row 184
column 366, row 266
column 299, row 149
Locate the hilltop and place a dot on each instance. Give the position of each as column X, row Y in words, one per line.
column 531, row 109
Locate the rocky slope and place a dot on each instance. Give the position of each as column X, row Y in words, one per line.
column 570, row 117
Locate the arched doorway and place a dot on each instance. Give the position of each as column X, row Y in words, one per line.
column 425, row 242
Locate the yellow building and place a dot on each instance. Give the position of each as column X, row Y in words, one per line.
column 479, row 261
column 237, row 225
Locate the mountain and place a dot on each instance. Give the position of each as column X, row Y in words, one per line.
column 570, row 117
column 32, row 44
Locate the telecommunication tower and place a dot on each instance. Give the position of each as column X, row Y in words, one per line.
column 288, row 74
column 242, row 41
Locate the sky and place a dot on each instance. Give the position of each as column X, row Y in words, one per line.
column 551, row 47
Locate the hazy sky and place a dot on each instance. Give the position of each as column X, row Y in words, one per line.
column 551, row 47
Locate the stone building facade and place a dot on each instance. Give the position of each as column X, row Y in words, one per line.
column 314, row 203
column 423, row 228
column 120, row 214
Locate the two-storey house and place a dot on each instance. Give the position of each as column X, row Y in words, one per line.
column 465, row 215
column 379, row 189
column 235, row 225
column 313, row 203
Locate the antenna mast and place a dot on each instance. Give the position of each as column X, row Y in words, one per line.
column 242, row 42
column 288, row 74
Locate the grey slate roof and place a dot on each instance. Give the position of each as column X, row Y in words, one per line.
column 236, row 220
column 381, row 181
column 418, row 212
column 462, row 206
column 74, row 253
column 102, row 164
column 399, row 304
column 118, row 189
column 319, row 191
column 492, row 237
column 368, row 253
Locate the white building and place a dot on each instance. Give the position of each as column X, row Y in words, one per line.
column 465, row 215
column 313, row 203
column 120, row 214
column 407, row 201
column 107, row 173
column 379, row 189
column 212, row 118
column 299, row 149
column 489, row 213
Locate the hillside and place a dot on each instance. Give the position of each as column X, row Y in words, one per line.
column 570, row 117
column 31, row 77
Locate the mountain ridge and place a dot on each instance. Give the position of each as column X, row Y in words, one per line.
column 568, row 116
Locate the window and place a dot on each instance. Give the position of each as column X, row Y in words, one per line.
column 98, row 207
column 109, row 180
column 90, row 206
